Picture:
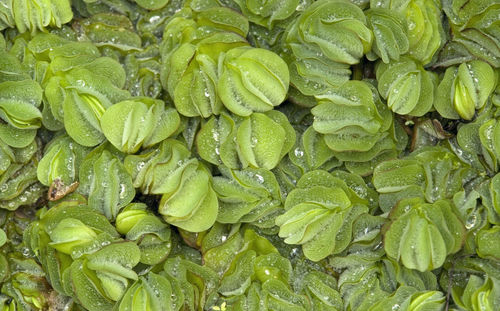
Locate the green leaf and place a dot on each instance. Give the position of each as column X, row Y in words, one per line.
column 3, row 238
column 70, row 233
column 61, row 161
column 390, row 34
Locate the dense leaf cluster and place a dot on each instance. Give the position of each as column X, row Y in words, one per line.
column 249, row 155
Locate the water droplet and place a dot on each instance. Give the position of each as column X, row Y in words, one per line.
column 298, row 153
column 260, row 179
column 254, row 141
column 122, row 191
column 215, row 135
column 153, row 19
column 140, row 165
column 471, row 221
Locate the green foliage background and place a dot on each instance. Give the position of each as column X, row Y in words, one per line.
column 249, row 155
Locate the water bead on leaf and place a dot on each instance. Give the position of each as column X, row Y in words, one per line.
column 311, row 152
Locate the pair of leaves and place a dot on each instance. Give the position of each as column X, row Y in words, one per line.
column 356, row 125
column 101, row 278
column 252, row 80
column 323, row 41
column 188, row 199
column 267, row 13
column 320, row 208
column 151, row 234
column 425, row 30
column 105, row 181
column 79, row 97
column 433, row 174
column 249, row 195
column 390, row 33
column 336, row 28
column 138, row 122
column 465, row 89
column 152, row 292
column 408, row 88
column 30, row 15
column 19, row 102
column 194, row 41
column 259, row 141
column 421, row 235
